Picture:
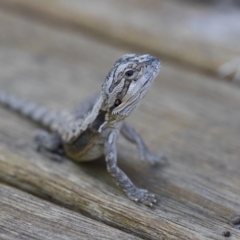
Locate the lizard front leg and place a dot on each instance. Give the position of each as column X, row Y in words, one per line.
column 130, row 134
column 122, row 180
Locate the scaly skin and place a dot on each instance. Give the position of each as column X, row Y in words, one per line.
column 92, row 130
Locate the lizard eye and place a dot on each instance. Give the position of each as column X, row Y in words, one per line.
column 129, row 73
column 117, row 102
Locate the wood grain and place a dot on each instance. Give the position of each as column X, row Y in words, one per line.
column 197, row 35
column 188, row 117
column 24, row 216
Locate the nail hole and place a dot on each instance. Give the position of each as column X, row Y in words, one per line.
column 226, row 234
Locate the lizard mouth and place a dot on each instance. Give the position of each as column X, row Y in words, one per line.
column 135, row 100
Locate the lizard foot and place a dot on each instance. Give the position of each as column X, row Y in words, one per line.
column 53, row 156
column 155, row 159
column 143, row 196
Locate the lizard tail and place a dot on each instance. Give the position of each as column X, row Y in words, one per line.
column 30, row 110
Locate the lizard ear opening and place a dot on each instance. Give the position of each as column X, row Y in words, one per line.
column 117, row 102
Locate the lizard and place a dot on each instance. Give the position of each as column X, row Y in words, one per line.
column 92, row 129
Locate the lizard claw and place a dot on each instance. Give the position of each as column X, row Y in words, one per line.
column 143, row 196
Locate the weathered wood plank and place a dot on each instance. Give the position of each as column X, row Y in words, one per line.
column 194, row 120
column 198, row 35
column 23, row 216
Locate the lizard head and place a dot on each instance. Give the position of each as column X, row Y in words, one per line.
column 128, row 82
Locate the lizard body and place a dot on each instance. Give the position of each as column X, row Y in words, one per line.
column 92, row 130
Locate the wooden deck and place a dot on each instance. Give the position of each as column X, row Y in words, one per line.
column 57, row 53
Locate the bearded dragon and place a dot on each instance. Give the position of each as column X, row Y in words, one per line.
column 93, row 128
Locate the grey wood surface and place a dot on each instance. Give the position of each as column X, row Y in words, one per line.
column 24, row 216
column 198, row 35
column 187, row 116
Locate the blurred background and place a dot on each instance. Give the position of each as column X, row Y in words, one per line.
column 201, row 35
